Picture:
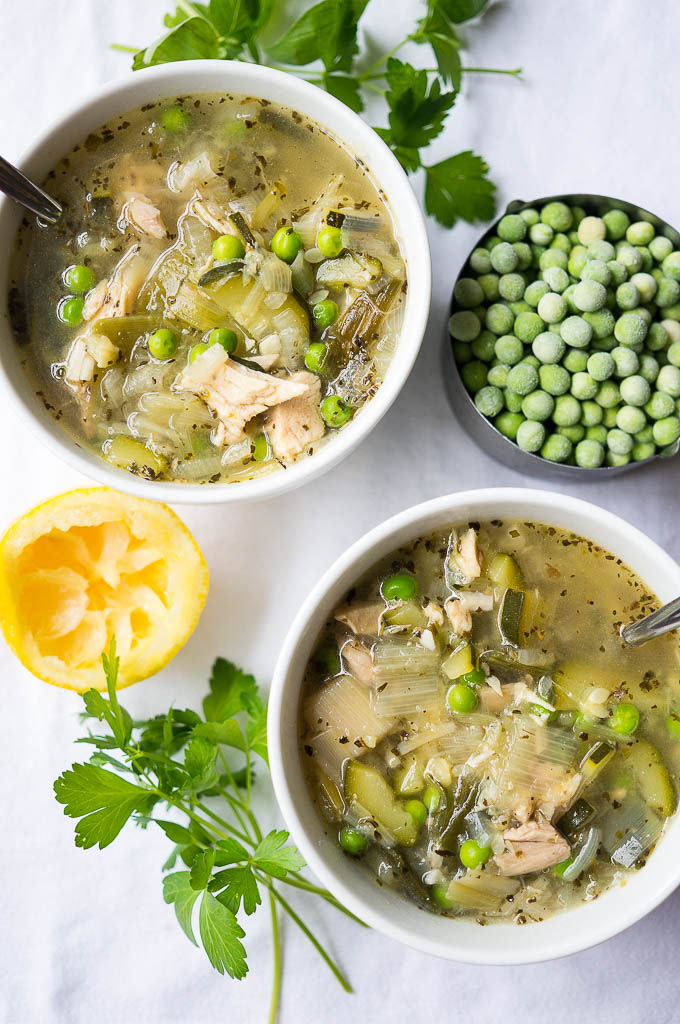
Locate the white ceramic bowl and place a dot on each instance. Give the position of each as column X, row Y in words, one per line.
column 382, row 908
column 181, row 78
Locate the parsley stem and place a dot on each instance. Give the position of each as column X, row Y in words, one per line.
column 276, row 942
column 382, row 60
column 312, row 938
column 298, row 882
column 124, row 49
column 515, row 72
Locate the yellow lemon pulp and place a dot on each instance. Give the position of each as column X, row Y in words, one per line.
column 90, row 564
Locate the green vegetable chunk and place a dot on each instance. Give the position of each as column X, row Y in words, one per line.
column 286, row 244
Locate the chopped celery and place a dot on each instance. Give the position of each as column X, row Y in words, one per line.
column 126, row 453
column 123, row 331
column 482, row 890
column 368, row 792
column 460, row 662
column 409, row 778
column 406, row 613
column 331, row 795
column 651, row 776
column 629, row 830
column 509, row 616
column 195, row 308
column 504, row 571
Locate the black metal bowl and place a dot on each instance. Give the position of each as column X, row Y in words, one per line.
column 482, row 429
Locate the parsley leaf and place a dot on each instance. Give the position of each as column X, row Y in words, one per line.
column 177, row 833
column 326, row 32
column 275, row 858
column 256, row 729
column 461, row 10
column 229, row 733
column 192, row 39
column 177, row 890
column 201, row 870
column 345, row 89
column 200, row 765
column 436, row 31
column 220, row 933
column 229, row 851
column 229, row 687
column 103, row 801
column 457, row 188
column 417, row 111
column 238, row 885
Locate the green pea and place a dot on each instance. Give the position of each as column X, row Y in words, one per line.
column 259, row 448
column 498, row 375
column 417, row 810
column 557, row 215
column 666, row 431
column 601, row 366
column 474, row 375
column 472, row 855
column 554, row 379
column 513, row 401
column 596, row 270
column 640, row 233
column 197, row 350
column 464, row 326
column 353, row 841
column 616, row 223
column 583, row 386
column 473, row 678
column 329, row 241
column 635, row 390
column 643, row 451
column 577, row 260
column 530, row 216
column 324, row 313
column 335, row 411
column 225, row 337
column 627, row 296
column 553, row 258
column 479, row 261
column 659, row 406
column 626, row 362
column 484, row 346
column 567, row 411
column 462, row 352
column 228, row 247
column 528, row 326
column 609, row 417
column 512, row 228
column 608, row 394
column 576, row 332
column 556, row 448
column 524, row 255
column 523, row 379
column 538, row 405
column 598, row 432
column 548, row 347
column 618, row 272
column 328, row 658
column 432, row 798
column 80, row 278
column 70, row 310
column 552, row 308
column 489, row 284
column 649, row 366
column 162, row 343
column 400, row 587
column 589, row 454
column 591, row 414
column 503, row 258
column 499, row 318
column 489, row 400
column 629, row 257
column 531, row 436
column 660, row 247
column 315, row 356
column 560, row 868
column 590, row 296
column 576, row 432
column 508, row 423
column 630, row 419
column 535, row 291
column 441, row 898
column 511, row 287
column 509, row 349
column 667, row 293
column 286, row 244
column 625, row 718
column 461, row 698
column 174, row 119
column 619, row 442
column 673, row 725
column 668, row 381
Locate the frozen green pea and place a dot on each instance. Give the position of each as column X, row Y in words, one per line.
column 535, row 291
column 674, row 354
column 645, row 435
column 513, row 401
column 630, row 329
column 548, row 347
column 643, row 450
column 658, row 337
column 554, row 379
column 509, row 349
column 561, row 241
column 492, row 241
column 627, row 296
column 646, row 286
column 556, row 278
column 609, row 417
column 671, row 312
column 538, row 405
column 601, row 366
column 511, row 287
column 630, row 257
column 523, row 379
column 531, row 360
column 578, row 214
column 480, row 261
column 512, row 228
column 589, row 296
column 660, row 405
column 647, row 261
column 591, row 229
column 626, row 362
column 576, row 360
column 508, row 423
column 619, row 442
column 616, row 223
column 601, row 250
column 530, row 216
column 577, row 260
column 576, row 432
column 498, row 375
column 528, row 326
column 552, row 308
column 536, row 253
column 649, row 367
column 589, row 454
column 608, row 394
column 596, row 270
column 500, row 318
column 618, row 272
column 660, row 247
column 520, row 307
column 576, row 332
column 667, row 293
column 557, row 215
column 474, row 375
column 583, row 386
column 484, row 347
column 462, row 352
column 541, row 234
column 503, row 258
column 630, row 419
column 635, row 390
column 553, row 258
column 604, row 344
column 666, row 431
column 614, row 459
column 524, row 255
column 668, row 381
column 489, row 285
column 597, row 433
column 591, row 414
column 569, row 296
column 602, row 323
column 530, row 436
column 672, row 329
column 641, row 232
column 468, row 292
column 567, row 411
column 464, row 326
column 489, row 400
column 556, row 448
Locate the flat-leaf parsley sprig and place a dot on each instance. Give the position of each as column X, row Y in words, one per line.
column 200, row 769
column 325, row 40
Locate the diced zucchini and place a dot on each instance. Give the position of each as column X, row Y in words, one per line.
column 232, row 296
column 369, row 792
column 576, row 817
column 460, row 662
column 531, row 607
column 575, row 681
column 505, row 572
column 123, row 331
column 650, row 776
column 409, row 778
column 127, row 453
column 509, row 616
column 406, row 613
column 597, row 758
column 481, row 890
column 354, row 270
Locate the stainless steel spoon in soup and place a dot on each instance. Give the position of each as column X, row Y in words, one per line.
column 663, row 620
column 25, row 192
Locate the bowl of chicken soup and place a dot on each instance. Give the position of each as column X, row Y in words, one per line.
column 234, row 294
column 462, row 747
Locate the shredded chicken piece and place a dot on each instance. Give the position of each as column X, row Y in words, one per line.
column 118, row 295
column 293, row 425
column 467, row 556
column 434, row 612
column 358, row 660
column 210, row 214
column 531, row 847
column 476, row 601
column 139, row 211
column 95, row 299
column 459, row 616
column 564, row 796
column 233, row 392
column 362, row 618
column 192, row 173
column 79, row 364
column 493, row 701
column 265, row 362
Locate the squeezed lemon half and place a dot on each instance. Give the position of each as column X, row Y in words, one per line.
column 90, row 564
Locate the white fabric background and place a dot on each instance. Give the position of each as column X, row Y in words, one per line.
column 85, row 935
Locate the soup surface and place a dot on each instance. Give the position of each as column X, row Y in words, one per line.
column 473, row 730
column 223, row 290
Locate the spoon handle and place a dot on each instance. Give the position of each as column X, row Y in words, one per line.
column 663, row 620
column 18, row 187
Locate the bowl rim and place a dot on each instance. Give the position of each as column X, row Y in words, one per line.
column 135, row 88
column 556, row 936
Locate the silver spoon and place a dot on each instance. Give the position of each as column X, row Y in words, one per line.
column 663, row 620
column 23, row 191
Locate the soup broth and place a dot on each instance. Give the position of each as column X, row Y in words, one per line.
column 474, row 731
column 223, row 291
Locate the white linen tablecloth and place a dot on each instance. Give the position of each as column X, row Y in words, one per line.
column 85, row 935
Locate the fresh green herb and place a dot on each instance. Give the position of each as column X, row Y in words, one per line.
column 326, row 35
column 175, row 763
